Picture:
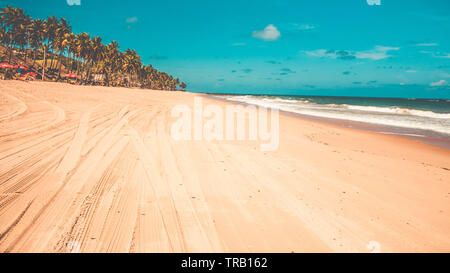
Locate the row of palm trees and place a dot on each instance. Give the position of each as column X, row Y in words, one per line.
column 52, row 38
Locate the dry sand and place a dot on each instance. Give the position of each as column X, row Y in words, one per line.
column 95, row 169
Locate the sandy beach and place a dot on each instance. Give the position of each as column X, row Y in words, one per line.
column 95, row 169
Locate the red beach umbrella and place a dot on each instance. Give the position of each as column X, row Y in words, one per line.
column 6, row 65
column 21, row 67
column 31, row 74
column 71, row 75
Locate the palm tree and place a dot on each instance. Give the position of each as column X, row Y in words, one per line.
column 62, row 40
column 7, row 17
column 175, row 82
column 20, row 30
column 52, row 25
column 54, row 36
column 5, row 37
column 14, row 21
column 45, row 46
column 37, row 36
column 111, row 61
column 93, row 53
column 82, row 46
column 132, row 63
column 71, row 48
column 183, row 86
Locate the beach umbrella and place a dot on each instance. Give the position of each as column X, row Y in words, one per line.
column 71, row 75
column 21, row 67
column 6, row 65
column 31, row 74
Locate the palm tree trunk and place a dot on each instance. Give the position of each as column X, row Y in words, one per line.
column 78, row 67
column 45, row 62
column 86, row 76
column 10, row 54
column 8, row 49
column 60, row 63
column 23, row 50
column 88, row 68
column 34, row 57
column 51, row 63
column 106, row 78
column 71, row 63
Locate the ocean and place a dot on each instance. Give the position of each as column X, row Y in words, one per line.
column 409, row 117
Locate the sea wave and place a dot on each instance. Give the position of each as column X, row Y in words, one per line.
column 392, row 116
column 410, row 122
column 401, row 111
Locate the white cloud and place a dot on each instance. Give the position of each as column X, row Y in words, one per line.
column 319, row 53
column 445, row 56
column 333, row 54
column 304, row 27
column 307, row 27
column 437, row 54
column 427, row 44
column 378, row 53
column 373, row 2
column 270, row 33
column 73, row 2
column 132, row 20
column 439, row 83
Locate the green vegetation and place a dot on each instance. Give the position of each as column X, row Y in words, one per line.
column 51, row 48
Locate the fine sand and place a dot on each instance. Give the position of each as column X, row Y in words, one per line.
column 95, row 169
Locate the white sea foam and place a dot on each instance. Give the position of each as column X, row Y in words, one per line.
column 393, row 116
column 401, row 111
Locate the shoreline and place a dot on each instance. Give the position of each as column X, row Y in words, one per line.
column 98, row 167
column 428, row 137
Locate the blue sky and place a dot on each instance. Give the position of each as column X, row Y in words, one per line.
column 323, row 47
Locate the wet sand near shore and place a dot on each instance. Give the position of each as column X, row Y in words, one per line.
column 425, row 136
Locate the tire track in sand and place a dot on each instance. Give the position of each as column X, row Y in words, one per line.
column 54, row 182
column 68, row 201
column 181, row 211
column 22, row 108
